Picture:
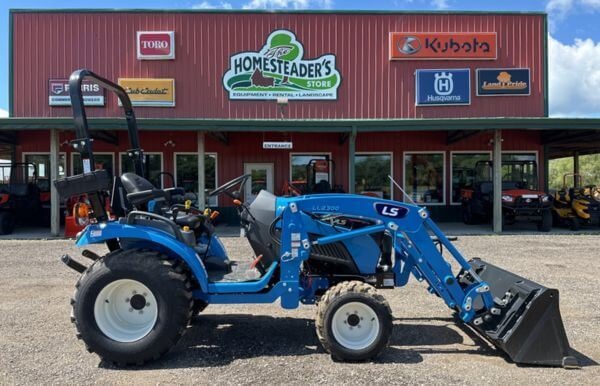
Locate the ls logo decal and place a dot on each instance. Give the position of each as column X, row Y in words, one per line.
column 389, row 210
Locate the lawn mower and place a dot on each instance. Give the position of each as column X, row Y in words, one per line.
column 338, row 251
column 521, row 201
column 576, row 206
column 20, row 196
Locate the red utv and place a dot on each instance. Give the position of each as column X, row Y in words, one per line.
column 521, row 199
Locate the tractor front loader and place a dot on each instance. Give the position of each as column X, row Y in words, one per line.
column 338, row 251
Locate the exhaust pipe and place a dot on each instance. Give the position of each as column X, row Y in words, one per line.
column 69, row 262
column 525, row 322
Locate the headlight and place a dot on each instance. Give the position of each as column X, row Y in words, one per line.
column 546, row 198
column 507, row 198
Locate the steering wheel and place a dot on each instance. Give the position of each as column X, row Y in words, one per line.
column 226, row 187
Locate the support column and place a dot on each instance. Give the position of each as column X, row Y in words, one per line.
column 201, row 171
column 546, row 169
column 351, row 153
column 54, row 199
column 576, row 168
column 497, row 181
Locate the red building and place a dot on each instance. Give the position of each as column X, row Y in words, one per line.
column 417, row 96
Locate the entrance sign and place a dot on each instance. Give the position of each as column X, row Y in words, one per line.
column 503, row 81
column 155, row 45
column 58, row 93
column 149, row 92
column 279, row 70
column 443, row 45
column 443, row 87
column 277, row 145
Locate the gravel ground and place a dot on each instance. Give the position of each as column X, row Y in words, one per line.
column 266, row 344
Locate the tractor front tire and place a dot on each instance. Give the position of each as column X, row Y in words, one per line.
column 132, row 306
column 354, row 322
column 545, row 225
column 7, row 223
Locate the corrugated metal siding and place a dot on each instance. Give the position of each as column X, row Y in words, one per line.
column 52, row 45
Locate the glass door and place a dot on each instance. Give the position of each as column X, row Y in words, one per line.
column 261, row 178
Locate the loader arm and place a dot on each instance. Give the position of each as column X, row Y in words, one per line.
column 519, row 316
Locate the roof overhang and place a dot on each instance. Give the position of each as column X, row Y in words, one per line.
column 320, row 125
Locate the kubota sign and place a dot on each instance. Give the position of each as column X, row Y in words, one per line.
column 279, row 70
column 155, row 45
column 442, row 45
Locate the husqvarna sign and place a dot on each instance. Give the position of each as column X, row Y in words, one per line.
column 443, row 87
column 279, row 70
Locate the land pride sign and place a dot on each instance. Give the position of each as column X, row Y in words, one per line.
column 279, row 70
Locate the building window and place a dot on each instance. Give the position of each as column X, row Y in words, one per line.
column 463, row 171
column 371, row 175
column 42, row 163
column 186, row 173
column 424, row 177
column 103, row 161
column 519, row 156
column 298, row 164
column 152, row 167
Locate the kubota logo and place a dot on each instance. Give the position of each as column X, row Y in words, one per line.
column 409, row 45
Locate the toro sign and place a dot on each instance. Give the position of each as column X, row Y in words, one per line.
column 155, row 45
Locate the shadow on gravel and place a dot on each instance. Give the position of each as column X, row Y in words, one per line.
column 218, row 340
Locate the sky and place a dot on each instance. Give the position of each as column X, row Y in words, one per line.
column 574, row 41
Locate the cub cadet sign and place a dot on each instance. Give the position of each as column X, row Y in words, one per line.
column 149, row 92
column 279, row 71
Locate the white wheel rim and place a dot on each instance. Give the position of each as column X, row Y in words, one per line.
column 125, row 310
column 355, row 326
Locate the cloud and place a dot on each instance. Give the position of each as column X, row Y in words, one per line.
column 558, row 10
column 574, row 77
column 3, row 113
column 295, row 4
column 210, row 5
column 440, row 4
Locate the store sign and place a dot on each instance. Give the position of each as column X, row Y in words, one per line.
column 278, row 70
column 58, row 93
column 503, row 81
column 277, row 145
column 155, row 45
column 442, row 45
column 443, row 87
column 149, row 92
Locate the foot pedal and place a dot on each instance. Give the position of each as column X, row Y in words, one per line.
column 256, row 261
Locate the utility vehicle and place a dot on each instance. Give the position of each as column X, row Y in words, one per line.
column 20, row 196
column 339, row 251
column 521, row 199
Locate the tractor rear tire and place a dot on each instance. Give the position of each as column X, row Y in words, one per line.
column 198, row 306
column 545, row 225
column 132, row 306
column 354, row 322
column 7, row 223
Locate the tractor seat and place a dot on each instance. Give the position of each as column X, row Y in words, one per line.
column 139, row 190
column 192, row 221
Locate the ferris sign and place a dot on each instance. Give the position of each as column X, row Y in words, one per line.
column 155, row 45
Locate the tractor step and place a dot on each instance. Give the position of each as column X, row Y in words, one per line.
column 240, row 272
column 526, row 323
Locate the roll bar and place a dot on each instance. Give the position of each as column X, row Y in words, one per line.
column 83, row 141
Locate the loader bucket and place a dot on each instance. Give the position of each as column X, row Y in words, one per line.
column 529, row 326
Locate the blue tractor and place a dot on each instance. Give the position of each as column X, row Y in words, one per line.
column 338, row 251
